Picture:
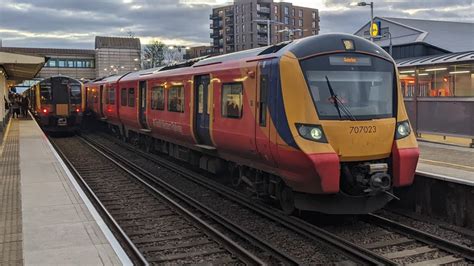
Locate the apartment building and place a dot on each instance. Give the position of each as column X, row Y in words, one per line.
column 244, row 24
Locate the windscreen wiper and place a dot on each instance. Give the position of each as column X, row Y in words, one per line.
column 338, row 102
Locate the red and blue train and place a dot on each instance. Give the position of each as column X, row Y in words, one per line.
column 316, row 124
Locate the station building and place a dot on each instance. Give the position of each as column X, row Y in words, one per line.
column 112, row 55
column 436, row 64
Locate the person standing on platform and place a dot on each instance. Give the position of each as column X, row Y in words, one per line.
column 24, row 106
column 15, row 107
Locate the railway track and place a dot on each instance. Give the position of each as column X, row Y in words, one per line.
column 353, row 252
column 153, row 227
column 403, row 248
column 442, row 251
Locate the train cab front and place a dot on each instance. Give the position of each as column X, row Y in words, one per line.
column 353, row 129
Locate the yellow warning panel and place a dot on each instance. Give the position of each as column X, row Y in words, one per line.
column 62, row 109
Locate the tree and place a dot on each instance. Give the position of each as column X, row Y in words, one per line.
column 154, row 54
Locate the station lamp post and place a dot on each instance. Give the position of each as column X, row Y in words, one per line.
column 371, row 4
column 268, row 21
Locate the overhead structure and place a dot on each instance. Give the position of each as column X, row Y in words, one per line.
column 15, row 68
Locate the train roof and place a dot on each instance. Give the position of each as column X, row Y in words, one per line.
column 59, row 76
column 301, row 48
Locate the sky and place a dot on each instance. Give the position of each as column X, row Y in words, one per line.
column 75, row 23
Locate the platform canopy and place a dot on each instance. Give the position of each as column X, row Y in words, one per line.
column 19, row 67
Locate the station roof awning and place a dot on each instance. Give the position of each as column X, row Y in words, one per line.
column 20, row 67
column 448, row 58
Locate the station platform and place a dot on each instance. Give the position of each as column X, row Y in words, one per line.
column 45, row 217
column 446, row 162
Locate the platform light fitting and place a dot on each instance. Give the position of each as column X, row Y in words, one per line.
column 436, row 69
column 407, row 71
column 460, row 72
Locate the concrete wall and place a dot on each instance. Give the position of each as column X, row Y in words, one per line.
column 110, row 61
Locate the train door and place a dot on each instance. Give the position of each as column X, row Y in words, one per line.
column 202, row 107
column 142, row 104
column 101, row 100
column 263, row 133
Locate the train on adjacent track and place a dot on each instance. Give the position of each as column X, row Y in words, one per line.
column 315, row 124
column 57, row 103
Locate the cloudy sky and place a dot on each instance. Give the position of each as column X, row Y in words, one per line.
column 74, row 23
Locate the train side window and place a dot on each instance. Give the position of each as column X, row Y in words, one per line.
column 131, row 97
column 157, row 98
column 263, row 100
column 123, row 96
column 112, row 96
column 231, row 103
column 176, row 99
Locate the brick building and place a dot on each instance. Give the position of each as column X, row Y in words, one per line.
column 243, row 25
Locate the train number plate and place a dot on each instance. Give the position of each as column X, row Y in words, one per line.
column 62, row 122
column 363, row 130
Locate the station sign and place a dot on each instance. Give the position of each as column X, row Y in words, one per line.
column 375, row 29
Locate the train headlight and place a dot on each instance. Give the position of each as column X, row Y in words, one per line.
column 403, row 129
column 311, row 132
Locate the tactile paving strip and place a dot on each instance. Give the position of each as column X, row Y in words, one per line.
column 10, row 200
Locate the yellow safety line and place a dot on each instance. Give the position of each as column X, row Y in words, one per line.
column 7, row 131
column 453, row 164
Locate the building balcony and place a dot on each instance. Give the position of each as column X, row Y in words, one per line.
column 214, row 35
column 263, row 17
column 215, row 25
column 229, row 30
column 229, row 13
column 262, row 31
column 262, row 41
column 214, row 16
column 229, row 22
column 262, row 9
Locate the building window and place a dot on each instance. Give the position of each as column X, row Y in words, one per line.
column 51, row 63
column 61, row 63
column 286, row 21
column 242, row 18
column 243, row 28
column 70, row 63
column 275, row 9
column 300, row 13
column 236, row 9
column 243, row 39
column 176, row 99
column 286, row 10
column 292, row 12
column 300, row 33
column 123, row 96
column 313, row 32
column 232, row 100
column 300, row 22
column 313, row 24
column 314, row 15
column 293, row 21
column 131, row 97
column 276, row 18
column 237, row 39
column 439, row 81
column 157, row 98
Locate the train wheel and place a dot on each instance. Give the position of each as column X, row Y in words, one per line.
column 287, row 200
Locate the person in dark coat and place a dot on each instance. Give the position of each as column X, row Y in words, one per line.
column 24, row 106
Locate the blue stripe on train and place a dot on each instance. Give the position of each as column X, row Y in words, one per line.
column 276, row 106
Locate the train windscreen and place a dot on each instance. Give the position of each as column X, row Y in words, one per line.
column 350, row 86
column 75, row 91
